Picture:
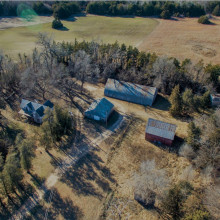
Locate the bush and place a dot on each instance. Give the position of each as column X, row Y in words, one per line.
column 165, row 14
column 57, row 24
column 204, row 20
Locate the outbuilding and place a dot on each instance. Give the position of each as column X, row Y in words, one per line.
column 130, row 92
column 99, row 110
column 215, row 99
column 159, row 131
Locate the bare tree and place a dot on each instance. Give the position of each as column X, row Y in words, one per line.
column 164, row 73
column 82, row 67
column 187, row 152
column 149, row 183
column 118, row 208
column 212, row 200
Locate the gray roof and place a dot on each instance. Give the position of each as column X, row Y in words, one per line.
column 48, row 103
column 35, row 107
column 100, row 107
column 161, row 129
column 131, row 92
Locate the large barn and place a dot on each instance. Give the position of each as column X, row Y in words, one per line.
column 130, row 92
column 99, row 110
column 159, row 131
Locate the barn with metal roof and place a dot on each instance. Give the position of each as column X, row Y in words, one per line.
column 130, row 92
column 159, row 131
column 99, row 110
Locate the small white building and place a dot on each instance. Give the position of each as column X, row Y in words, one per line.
column 215, row 99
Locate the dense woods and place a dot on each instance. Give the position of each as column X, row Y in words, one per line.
column 163, row 9
column 63, row 10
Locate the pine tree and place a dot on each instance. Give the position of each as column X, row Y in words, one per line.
column 26, row 150
column 205, row 100
column 216, row 11
column 188, row 100
column 193, row 135
column 176, row 102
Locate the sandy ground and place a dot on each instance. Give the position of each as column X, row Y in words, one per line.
column 11, row 22
column 185, row 38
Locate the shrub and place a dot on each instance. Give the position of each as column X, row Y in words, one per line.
column 57, row 24
column 165, row 14
column 204, row 20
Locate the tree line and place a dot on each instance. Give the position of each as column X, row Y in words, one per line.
column 162, row 9
column 63, row 10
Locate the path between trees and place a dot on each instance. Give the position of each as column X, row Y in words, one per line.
column 69, row 161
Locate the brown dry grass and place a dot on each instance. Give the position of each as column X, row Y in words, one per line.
column 185, row 38
column 88, row 187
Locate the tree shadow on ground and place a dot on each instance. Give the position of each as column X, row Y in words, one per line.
column 86, row 171
column 63, row 29
column 61, row 206
column 161, row 103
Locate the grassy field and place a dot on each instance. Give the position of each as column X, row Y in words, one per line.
column 130, row 31
column 185, row 38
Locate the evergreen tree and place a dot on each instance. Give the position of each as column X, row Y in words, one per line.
column 171, row 204
column 193, row 135
column 216, row 11
column 188, row 100
column 205, row 100
column 26, row 150
column 176, row 102
column 12, row 171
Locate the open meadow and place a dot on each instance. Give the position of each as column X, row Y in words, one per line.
column 126, row 30
column 181, row 38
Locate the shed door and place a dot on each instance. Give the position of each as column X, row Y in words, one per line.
column 97, row 118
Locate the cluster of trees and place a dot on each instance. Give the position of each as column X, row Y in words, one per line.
column 203, row 142
column 130, row 64
column 187, row 102
column 163, row 9
column 183, row 202
column 65, row 10
column 8, row 8
column 175, row 201
column 42, row 9
column 14, row 161
column 56, row 123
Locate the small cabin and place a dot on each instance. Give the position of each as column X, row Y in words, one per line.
column 99, row 110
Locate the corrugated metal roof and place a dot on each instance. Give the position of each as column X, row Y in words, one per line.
column 131, row 92
column 161, row 129
column 100, row 107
